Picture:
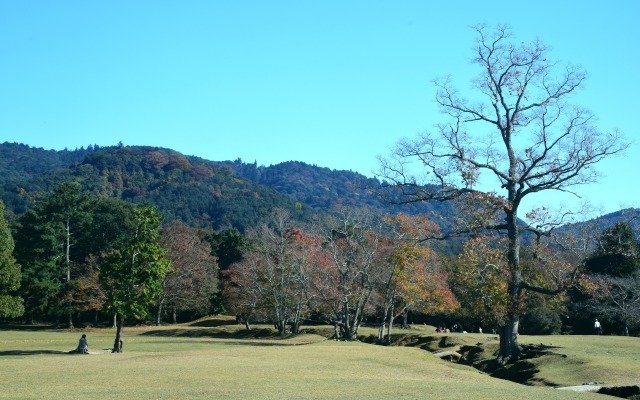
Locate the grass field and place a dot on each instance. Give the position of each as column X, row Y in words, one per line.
column 201, row 363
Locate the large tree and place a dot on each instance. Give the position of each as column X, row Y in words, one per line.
column 111, row 225
column 51, row 239
column 68, row 210
column 353, row 268
column 10, row 303
column 519, row 134
column 132, row 275
column 193, row 276
column 413, row 279
column 274, row 277
column 54, row 242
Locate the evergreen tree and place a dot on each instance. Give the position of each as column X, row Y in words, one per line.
column 228, row 247
column 10, row 304
column 617, row 252
column 52, row 240
column 35, row 250
column 69, row 212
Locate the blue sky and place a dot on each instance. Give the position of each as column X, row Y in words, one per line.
column 332, row 83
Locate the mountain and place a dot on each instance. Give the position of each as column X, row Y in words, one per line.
column 22, row 165
column 595, row 226
column 182, row 187
column 325, row 189
column 211, row 194
column 201, row 192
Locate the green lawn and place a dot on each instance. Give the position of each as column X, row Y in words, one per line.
column 190, row 364
column 612, row 360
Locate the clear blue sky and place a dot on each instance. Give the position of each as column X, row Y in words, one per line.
column 332, row 83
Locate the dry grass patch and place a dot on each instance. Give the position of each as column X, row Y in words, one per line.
column 201, row 367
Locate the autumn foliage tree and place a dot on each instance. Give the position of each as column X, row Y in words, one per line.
column 192, row 278
column 414, row 279
column 519, row 134
column 479, row 280
column 352, row 271
column 273, row 278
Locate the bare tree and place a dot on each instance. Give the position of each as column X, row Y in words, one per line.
column 521, row 134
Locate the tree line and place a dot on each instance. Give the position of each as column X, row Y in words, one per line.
column 82, row 259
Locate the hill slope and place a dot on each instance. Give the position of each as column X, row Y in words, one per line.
column 182, row 187
column 206, row 193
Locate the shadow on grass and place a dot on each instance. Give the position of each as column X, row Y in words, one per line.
column 522, row 370
column 213, row 322
column 216, row 333
column 31, row 352
column 26, row 327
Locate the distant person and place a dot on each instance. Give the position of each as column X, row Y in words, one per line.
column 597, row 327
column 480, row 330
column 83, row 347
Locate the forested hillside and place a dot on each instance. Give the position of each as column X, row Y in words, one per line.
column 21, row 164
column 213, row 194
column 325, row 189
column 205, row 193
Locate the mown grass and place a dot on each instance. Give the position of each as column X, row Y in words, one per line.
column 203, row 363
column 610, row 360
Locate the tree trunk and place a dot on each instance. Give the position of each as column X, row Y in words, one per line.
column 159, row 314
column 389, row 326
column 68, row 263
column 117, row 344
column 174, row 316
column 383, row 325
column 336, row 331
column 281, row 326
column 626, row 328
column 296, row 322
column 405, row 319
column 390, row 317
column 509, row 348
